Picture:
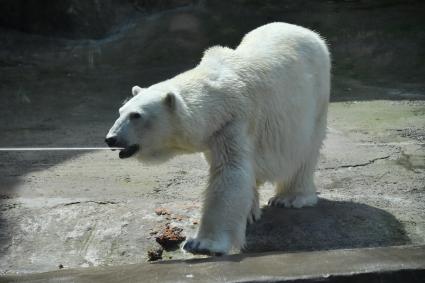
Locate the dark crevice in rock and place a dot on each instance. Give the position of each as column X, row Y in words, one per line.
column 356, row 165
column 90, row 201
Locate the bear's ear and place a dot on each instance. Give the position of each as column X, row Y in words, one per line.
column 170, row 100
column 136, row 90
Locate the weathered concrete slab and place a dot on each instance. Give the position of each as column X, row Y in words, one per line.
column 93, row 209
column 391, row 264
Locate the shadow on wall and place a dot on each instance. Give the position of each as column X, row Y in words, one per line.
column 329, row 225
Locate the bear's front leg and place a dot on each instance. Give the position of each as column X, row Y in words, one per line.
column 229, row 196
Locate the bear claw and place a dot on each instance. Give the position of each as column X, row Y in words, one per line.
column 254, row 216
column 195, row 246
column 296, row 201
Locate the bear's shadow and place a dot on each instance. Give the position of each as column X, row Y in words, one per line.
column 328, row 225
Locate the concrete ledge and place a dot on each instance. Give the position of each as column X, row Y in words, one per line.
column 388, row 264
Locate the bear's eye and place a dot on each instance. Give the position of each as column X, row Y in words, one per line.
column 134, row 116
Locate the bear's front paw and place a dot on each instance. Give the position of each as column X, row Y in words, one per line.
column 295, row 201
column 206, row 247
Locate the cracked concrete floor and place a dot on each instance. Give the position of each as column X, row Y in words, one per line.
column 63, row 210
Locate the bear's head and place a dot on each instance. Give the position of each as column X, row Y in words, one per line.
column 148, row 125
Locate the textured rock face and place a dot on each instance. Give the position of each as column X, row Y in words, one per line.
column 76, row 18
column 386, row 46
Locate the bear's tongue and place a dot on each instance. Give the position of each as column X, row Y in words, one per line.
column 129, row 151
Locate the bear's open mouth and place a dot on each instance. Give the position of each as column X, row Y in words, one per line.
column 129, row 151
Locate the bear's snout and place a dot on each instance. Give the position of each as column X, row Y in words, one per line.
column 111, row 141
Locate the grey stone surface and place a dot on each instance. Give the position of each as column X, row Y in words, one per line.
column 391, row 264
column 94, row 209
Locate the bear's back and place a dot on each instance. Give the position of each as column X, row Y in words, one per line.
column 283, row 41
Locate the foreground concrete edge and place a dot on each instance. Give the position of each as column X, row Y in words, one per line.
column 388, row 264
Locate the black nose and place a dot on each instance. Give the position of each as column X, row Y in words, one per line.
column 111, row 141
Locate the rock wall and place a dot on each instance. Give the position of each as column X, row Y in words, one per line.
column 378, row 41
column 77, row 18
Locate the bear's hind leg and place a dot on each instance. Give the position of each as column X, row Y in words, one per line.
column 297, row 192
column 255, row 213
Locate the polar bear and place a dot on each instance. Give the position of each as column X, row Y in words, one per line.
column 257, row 112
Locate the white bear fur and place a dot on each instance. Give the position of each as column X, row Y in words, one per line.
column 257, row 112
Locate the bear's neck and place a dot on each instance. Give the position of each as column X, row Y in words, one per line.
column 212, row 100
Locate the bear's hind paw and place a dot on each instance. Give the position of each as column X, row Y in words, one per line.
column 296, row 201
